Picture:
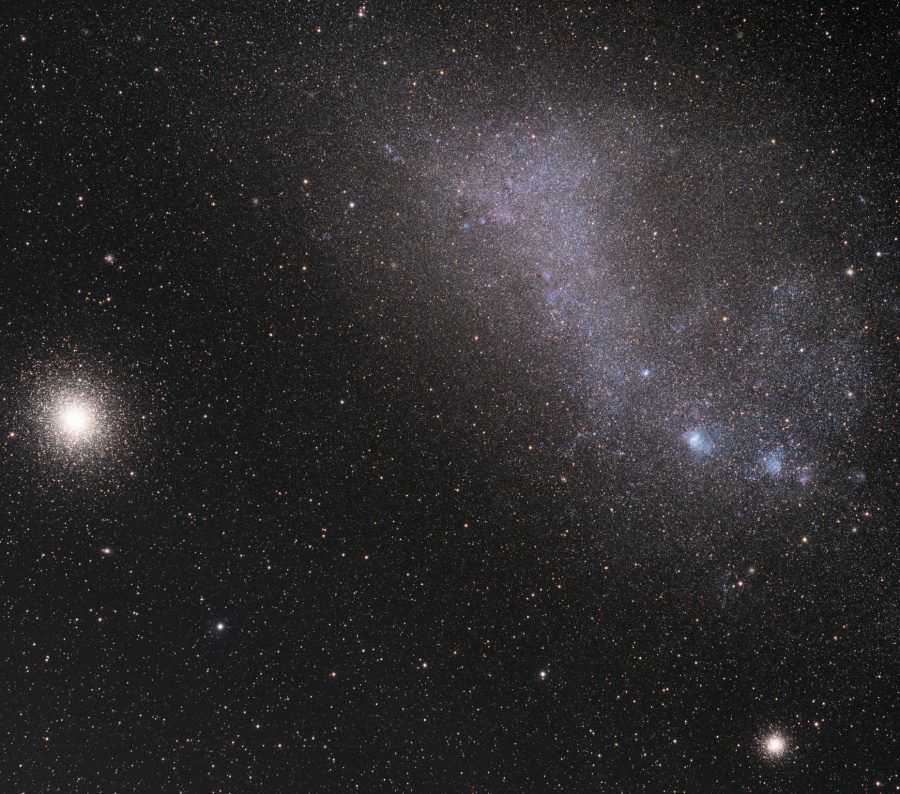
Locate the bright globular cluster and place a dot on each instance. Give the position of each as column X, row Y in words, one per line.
column 75, row 420
column 73, row 417
column 774, row 746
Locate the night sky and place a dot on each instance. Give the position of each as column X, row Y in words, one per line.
column 461, row 397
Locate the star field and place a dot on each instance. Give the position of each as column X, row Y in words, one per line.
column 458, row 397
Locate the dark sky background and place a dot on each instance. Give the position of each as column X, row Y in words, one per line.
column 462, row 397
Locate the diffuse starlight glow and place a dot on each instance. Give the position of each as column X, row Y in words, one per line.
column 542, row 199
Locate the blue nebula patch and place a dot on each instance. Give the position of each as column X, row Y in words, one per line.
column 773, row 465
column 699, row 441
